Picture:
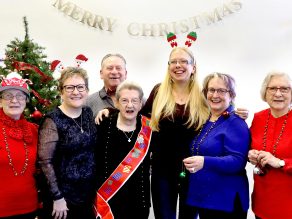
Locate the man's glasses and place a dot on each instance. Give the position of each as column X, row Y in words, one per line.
column 180, row 61
column 220, row 91
column 9, row 96
column 283, row 90
column 71, row 88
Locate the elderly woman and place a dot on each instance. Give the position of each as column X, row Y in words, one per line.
column 67, row 139
column 218, row 184
column 123, row 158
column 18, row 137
column 271, row 150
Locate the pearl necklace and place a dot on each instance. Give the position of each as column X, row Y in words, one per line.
column 10, row 158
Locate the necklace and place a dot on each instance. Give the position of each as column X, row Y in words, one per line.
column 81, row 129
column 279, row 137
column 202, row 139
column 258, row 169
column 183, row 173
column 10, row 158
column 226, row 115
column 129, row 138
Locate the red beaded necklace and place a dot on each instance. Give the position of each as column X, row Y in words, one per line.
column 280, row 135
column 10, row 161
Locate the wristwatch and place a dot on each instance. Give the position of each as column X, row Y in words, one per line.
column 282, row 163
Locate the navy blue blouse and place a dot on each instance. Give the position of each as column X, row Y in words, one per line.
column 67, row 155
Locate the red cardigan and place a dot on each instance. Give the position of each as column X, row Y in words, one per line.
column 272, row 194
column 18, row 194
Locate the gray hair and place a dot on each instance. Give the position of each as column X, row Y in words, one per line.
column 113, row 55
column 268, row 79
column 130, row 85
column 228, row 80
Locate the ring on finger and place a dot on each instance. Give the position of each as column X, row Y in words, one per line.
column 192, row 170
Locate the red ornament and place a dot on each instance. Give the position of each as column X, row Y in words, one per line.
column 225, row 114
column 36, row 114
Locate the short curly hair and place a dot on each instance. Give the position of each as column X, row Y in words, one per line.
column 228, row 80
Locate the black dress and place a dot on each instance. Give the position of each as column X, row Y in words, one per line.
column 132, row 201
column 67, row 159
column 170, row 145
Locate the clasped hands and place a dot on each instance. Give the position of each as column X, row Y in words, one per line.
column 194, row 163
column 263, row 158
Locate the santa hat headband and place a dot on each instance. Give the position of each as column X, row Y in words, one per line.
column 54, row 64
column 14, row 81
column 81, row 57
column 191, row 37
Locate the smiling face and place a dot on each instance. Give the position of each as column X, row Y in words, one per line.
column 13, row 102
column 113, row 72
column 218, row 96
column 74, row 99
column 129, row 104
column 180, row 66
column 278, row 100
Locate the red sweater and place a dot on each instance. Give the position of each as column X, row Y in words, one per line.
column 272, row 194
column 18, row 194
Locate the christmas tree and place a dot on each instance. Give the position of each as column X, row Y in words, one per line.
column 27, row 58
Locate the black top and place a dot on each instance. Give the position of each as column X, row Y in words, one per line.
column 113, row 146
column 170, row 145
column 67, row 156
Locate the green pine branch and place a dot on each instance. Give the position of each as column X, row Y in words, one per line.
column 30, row 52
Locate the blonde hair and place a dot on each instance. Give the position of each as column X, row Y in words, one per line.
column 164, row 102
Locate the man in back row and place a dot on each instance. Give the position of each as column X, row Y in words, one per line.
column 113, row 72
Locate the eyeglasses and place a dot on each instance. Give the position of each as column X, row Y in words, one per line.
column 220, row 91
column 71, row 88
column 9, row 96
column 180, row 61
column 283, row 90
column 125, row 102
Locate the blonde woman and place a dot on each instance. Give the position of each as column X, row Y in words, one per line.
column 177, row 109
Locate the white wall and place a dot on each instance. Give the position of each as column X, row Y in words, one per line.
column 249, row 41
